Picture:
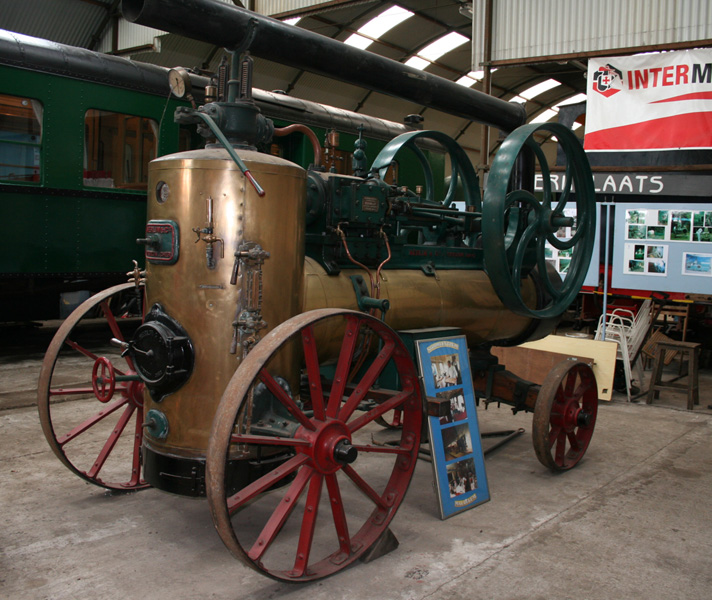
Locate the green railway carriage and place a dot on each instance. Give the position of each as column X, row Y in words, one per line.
column 77, row 131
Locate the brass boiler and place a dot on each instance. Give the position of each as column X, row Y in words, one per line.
column 202, row 299
column 206, row 185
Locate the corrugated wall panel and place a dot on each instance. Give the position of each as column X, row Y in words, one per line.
column 531, row 28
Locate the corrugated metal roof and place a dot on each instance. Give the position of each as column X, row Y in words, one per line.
column 524, row 29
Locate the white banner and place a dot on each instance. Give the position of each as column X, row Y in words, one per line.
column 660, row 101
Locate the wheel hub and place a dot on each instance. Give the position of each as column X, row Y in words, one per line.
column 329, row 445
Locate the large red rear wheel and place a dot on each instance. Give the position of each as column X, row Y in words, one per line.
column 332, row 499
column 89, row 398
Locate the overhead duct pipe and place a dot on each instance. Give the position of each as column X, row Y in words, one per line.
column 239, row 29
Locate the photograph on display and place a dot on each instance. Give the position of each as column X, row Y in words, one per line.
column 708, row 218
column 446, row 370
column 694, row 263
column 656, row 233
column 458, row 410
column 636, row 266
column 635, row 216
column 455, row 444
column 456, row 441
column 461, row 477
column 560, row 259
column 637, row 232
column 680, row 226
column 663, row 217
column 702, row 234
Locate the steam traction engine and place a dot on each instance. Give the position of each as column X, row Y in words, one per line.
column 268, row 349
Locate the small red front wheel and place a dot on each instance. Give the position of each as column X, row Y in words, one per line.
column 565, row 415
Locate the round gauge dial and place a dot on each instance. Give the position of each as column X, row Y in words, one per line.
column 162, row 192
column 179, row 80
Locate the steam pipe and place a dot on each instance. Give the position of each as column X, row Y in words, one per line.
column 239, row 29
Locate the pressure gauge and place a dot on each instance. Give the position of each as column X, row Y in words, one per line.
column 162, row 192
column 179, row 80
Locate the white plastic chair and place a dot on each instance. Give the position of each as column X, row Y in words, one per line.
column 629, row 330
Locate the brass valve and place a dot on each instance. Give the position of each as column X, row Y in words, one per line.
column 207, row 235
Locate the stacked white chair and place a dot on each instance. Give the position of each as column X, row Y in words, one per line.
column 629, row 329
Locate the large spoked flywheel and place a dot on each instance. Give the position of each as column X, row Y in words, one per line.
column 516, row 225
column 335, row 492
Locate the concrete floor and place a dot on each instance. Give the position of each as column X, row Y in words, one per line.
column 632, row 520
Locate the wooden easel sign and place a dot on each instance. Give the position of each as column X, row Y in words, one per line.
column 458, row 461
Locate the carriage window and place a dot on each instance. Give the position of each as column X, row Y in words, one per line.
column 117, row 149
column 20, row 138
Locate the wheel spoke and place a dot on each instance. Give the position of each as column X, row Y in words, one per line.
column 313, row 375
column 306, row 535
column 569, row 385
column 564, row 196
column 573, row 441
column 70, row 391
column 278, row 391
column 379, row 410
column 374, row 371
column 553, row 435
column 343, row 366
column 383, row 449
column 111, row 441
column 265, row 482
column 364, row 487
column 266, row 440
column 115, row 329
column 82, row 427
column 280, row 515
column 136, row 459
column 337, row 510
column 560, row 447
column 543, row 271
column 75, row 346
column 522, row 245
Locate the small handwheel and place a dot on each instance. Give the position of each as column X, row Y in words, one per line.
column 565, row 415
column 103, row 379
column 91, row 406
column 341, row 490
column 516, row 226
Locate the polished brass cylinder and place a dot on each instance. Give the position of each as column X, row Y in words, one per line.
column 206, row 187
column 450, row 298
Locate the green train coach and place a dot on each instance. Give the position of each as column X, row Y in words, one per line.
column 77, row 131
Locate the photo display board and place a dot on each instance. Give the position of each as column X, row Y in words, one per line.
column 458, row 461
column 663, row 248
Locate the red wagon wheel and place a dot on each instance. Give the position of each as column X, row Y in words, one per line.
column 89, row 398
column 565, row 415
column 341, row 490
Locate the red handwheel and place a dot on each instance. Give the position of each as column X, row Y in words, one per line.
column 336, row 492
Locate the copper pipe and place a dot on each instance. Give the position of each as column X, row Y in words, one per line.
column 351, row 258
column 378, row 271
column 282, row 131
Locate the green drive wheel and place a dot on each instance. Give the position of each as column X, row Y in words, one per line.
column 461, row 166
column 516, row 226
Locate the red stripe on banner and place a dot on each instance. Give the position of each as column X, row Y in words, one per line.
column 693, row 130
column 693, row 96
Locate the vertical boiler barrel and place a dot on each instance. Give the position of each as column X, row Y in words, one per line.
column 205, row 200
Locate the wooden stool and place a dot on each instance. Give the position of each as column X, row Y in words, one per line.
column 692, row 386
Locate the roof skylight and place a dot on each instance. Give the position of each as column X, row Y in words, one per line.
column 539, row 88
column 471, row 78
column 378, row 26
column 292, row 21
column 438, row 48
column 545, row 116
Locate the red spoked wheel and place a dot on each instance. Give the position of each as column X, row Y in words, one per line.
column 89, row 397
column 336, row 493
column 565, row 415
